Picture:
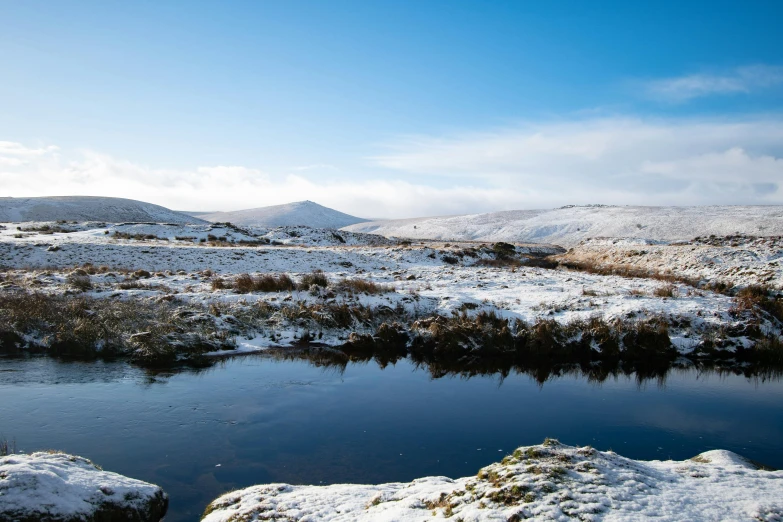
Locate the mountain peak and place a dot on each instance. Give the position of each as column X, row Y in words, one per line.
column 305, row 213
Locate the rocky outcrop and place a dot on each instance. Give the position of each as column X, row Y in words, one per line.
column 550, row 481
column 56, row 487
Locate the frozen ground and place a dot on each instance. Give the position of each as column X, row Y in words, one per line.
column 50, row 486
column 185, row 263
column 568, row 226
column 547, row 482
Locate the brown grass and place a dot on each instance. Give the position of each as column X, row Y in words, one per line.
column 154, row 332
column 362, row 286
column 760, row 298
column 245, row 283
column 665, row 291
column 316, row 277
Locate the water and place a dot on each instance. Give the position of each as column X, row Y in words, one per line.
column 254, row 419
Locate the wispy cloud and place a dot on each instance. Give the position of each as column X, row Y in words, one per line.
column 619, row 160
column 611, row 160
column 742, row 80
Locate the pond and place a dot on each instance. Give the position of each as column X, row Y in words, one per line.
column 259, row 419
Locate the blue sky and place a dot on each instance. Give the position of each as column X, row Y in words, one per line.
column 393, row 108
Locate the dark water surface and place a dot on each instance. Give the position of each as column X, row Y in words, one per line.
column 255, row 419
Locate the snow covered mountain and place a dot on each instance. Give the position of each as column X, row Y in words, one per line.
column 305, row 213
column 567, row 226
column 88, row 208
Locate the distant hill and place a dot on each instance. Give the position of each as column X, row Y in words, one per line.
column 568, row 226
column 88, row 208
column 301, row 213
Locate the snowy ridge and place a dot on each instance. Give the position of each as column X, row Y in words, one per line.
column 304, row 213
column 88, row 208
column 568, row 226
column 551, row 481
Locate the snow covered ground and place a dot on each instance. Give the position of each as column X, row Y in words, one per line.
column 300, row 213
column 185, row 261
column 87, row 208
column 51, row 486
column 568, row 226
column 735, row 261
column 546, row 482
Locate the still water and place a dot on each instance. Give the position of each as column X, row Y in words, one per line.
column 255, row 419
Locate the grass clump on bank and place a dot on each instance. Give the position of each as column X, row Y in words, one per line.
column 77, row 326
column 362, row 286
column 760, row 298
column 245, row 283
column 490, row 336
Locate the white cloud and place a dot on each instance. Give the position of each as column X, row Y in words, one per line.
column 742, row 80
column 233, row 187
column 608, row 160
column 611, row 160
column 10, row 148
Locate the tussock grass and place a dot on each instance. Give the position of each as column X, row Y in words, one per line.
column 668, row 290
column 47, row 229
column 138, row 237
column 79, row 280
column 487, row 335
column 763, row 298
column 362, row 286
column 245, row 283
column 154, row 332
column 317, row 278
column 500, row 262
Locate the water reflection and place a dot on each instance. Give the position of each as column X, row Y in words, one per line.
column 23, row 370
column 539, row 370
column 318, row 415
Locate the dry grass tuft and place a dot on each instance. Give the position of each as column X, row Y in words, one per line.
column 362, row 286
column 317, row 278
column 245, row 283
column 665, row 291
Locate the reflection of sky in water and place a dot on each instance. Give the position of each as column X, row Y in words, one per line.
column 253, row 420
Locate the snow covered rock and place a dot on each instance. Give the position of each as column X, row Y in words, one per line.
column 550, row 481
column 56, row 487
